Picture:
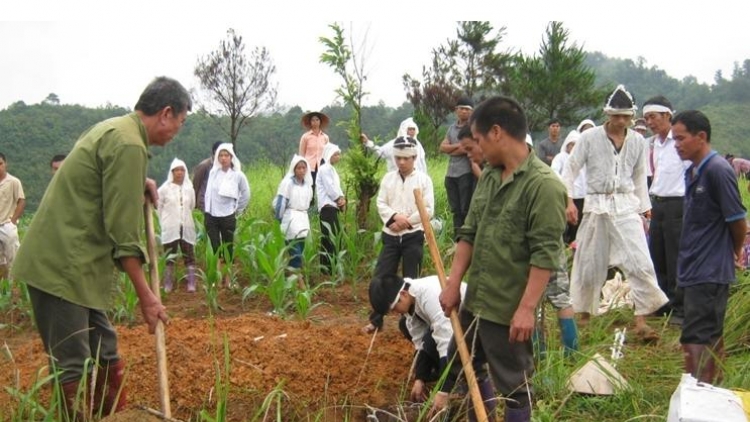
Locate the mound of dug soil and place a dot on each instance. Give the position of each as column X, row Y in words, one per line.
column 323, row 365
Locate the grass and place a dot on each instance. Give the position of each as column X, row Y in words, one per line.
column 261, row 258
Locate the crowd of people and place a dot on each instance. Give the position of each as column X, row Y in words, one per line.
column 607, row 193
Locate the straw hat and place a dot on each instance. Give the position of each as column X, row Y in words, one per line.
column 324, row 120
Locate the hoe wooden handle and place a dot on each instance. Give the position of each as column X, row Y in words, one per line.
column 458, row 332
column 161, row 346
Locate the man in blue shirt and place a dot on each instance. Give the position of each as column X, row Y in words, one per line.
column 713, row 232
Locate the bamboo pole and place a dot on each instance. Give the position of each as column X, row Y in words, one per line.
column 458, row 332
column 161, row 347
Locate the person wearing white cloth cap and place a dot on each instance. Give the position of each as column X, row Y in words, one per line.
column 331, row 202
column 407, row 128
column 227, row 196
column 611, row 233
column 667, row 194
column 403, row 234
column 175, row 207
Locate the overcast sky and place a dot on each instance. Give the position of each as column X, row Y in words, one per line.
column 95, row 62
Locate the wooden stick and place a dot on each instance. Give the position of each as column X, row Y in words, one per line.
column 161, row 346
column 458, row 332
column 158, row 414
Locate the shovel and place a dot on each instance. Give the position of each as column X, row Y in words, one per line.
column 161, row 347
column 458, row 332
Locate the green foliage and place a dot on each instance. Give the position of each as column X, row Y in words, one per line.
column 556, row 82
column 125, row 307
column 467, row 65
column 363, row 164
column 221, row 387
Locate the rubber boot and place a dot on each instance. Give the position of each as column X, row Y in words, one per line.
column 693, row 354
column 568, row 335
column 518, row 415
column 169, row 278
column 75, row 404
column 110, row 396
column 487, row 391
column 191, row 278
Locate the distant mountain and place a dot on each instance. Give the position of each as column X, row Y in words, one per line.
column 31, row 134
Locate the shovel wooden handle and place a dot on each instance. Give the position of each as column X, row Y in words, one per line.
column 161, row 346
column 458, row 332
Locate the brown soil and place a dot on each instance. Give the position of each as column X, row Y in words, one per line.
column 323, row 365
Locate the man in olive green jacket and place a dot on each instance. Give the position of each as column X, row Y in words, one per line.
column 508, row 246
column 89, row 224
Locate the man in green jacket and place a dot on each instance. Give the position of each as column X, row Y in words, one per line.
column 89, row 224
column 509, row 245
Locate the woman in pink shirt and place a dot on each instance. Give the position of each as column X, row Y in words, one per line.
column 312, row 142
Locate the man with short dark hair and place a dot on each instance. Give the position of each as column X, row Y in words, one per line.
column 509, row 245
column 459, row 180
column 403, row 234
column 56, row 162
column 89, row 223
column 667, row 191
column 713, row 233
column 550, row 146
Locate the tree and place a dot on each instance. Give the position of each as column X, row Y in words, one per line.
column 235, row 85
column 468, row 65
column 556, row 83
column 361, row 163
column 52, row 99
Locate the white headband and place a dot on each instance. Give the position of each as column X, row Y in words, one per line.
column 619, row 111
column 656, row 108
column 398, row 295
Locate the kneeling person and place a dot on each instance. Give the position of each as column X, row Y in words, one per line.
column 418, row 300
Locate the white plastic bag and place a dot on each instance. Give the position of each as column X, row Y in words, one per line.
column 695, row 401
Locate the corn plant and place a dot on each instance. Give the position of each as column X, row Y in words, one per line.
column 15, row 300
column 211, row 278
column 271, row 409
column 304, row 298
column 220, row 389
column 268, row 257
column 126, row 302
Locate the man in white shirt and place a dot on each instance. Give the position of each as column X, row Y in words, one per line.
column 667, row 193
column 403, row 234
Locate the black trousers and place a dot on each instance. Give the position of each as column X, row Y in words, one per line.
column 220, row 230
column 407, row 250
column 459, row 190
column 329, row 229
column 664, row 243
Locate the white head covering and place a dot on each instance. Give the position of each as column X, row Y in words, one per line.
column 228, row 147
column 175, row 164
column 296, row 160
column 404, row 147
column 406, row 124
column 572, row 137
column 585, row 122
column 329, row 150
column 620, row 102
